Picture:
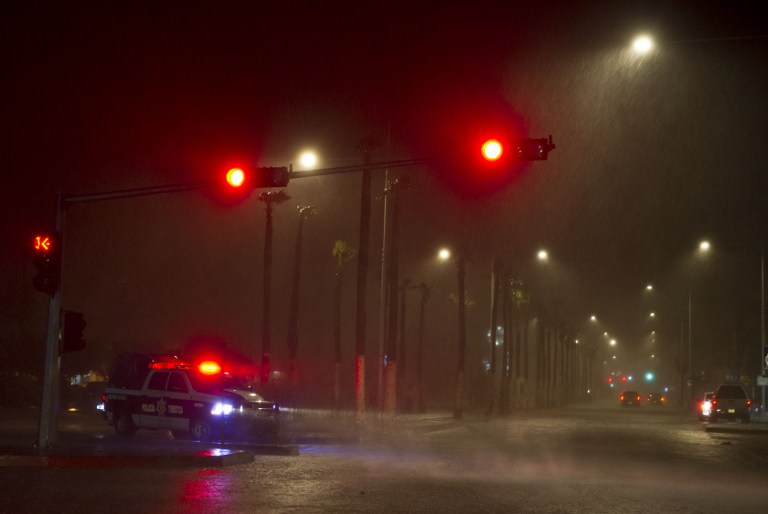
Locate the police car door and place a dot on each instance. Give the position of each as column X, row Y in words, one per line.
column 179, row 402
column 153, row 403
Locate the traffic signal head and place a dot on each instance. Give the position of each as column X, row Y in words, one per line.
column 534, row 149
column 243, row 178
column 526, row 149
column 47, row 261
column 71, row 334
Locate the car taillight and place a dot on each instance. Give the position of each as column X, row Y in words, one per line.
column 621, row 398
column 713, row 402
column 638, row 398
column 749, row 402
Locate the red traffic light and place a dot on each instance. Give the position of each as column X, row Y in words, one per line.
column 43, row 243
column 492, row 150
column 236, row 177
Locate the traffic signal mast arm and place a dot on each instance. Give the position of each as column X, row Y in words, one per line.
column 527, row 149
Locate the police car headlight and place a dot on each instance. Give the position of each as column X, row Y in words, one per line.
column 222, row 409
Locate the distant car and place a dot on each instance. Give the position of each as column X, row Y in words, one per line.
column 705, row 405
column 628, row 398
column 656, row 399
column 730, row 402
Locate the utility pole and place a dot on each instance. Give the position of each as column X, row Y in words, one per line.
column 362, row 279
column 393, row 278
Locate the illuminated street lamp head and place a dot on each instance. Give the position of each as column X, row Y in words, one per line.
column 593, row 318
column 235, row 177
column 443, row 254
column 649, row 287
column 704, row 246
column 308, row 160
column 642, row 44
column 542, row 255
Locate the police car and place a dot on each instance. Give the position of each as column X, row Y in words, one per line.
column 200, row 402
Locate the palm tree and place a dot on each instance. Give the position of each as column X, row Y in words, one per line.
column 343, row 253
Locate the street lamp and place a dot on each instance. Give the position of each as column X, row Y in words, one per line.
column 642, row 44
column 308, row 160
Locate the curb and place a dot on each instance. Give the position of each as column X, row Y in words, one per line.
column 736, row 429
column 205, row 459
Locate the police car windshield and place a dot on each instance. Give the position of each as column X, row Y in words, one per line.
column 214, row 383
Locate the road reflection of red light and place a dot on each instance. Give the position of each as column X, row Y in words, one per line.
column 204, row 492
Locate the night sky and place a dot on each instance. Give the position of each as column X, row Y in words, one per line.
column 652, row 154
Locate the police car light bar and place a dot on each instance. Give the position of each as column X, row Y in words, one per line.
column 209, row 368
column 169, row 365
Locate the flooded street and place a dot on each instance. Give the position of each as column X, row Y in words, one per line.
column 582, row 459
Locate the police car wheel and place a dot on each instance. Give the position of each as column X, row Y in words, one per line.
column 201, row 430
column 124, row 424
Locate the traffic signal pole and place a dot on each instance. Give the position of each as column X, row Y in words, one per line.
column 51, row 373
column 47, row 429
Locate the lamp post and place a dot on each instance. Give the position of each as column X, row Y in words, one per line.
column 764, row 359
column 444, row 255
column 269, row 198
column 703, row 248
column 305, row 212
